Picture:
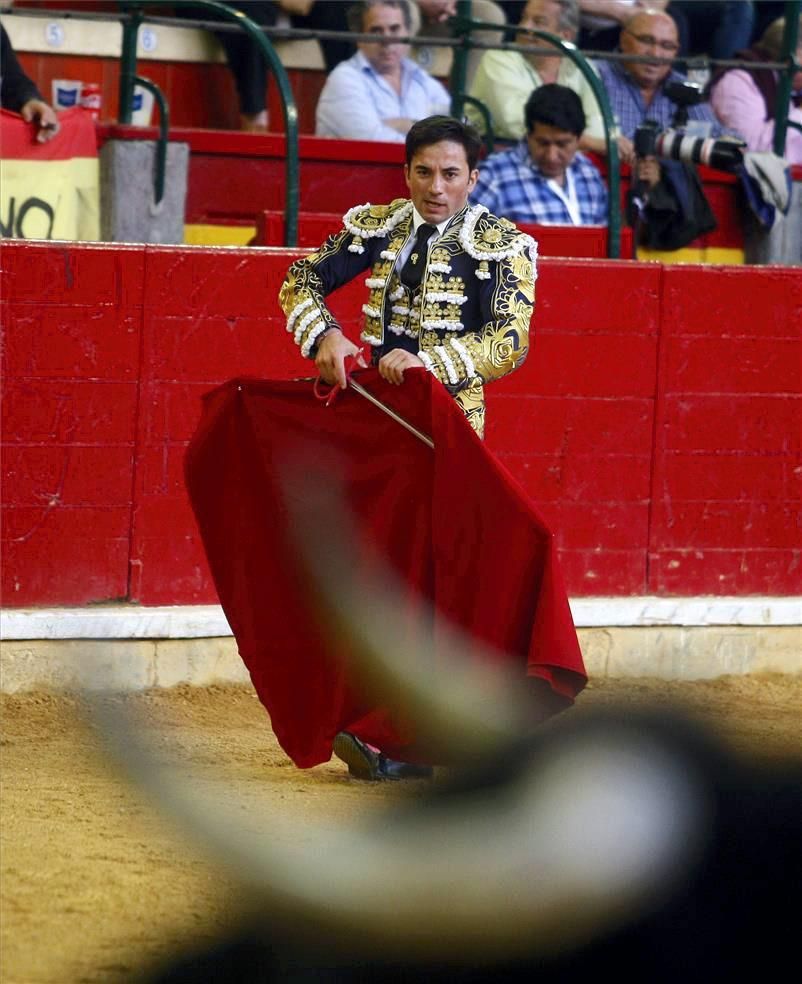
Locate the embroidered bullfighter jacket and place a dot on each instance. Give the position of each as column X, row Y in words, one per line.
column 468, row 322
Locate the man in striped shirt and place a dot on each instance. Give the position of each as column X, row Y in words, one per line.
column 545, row 179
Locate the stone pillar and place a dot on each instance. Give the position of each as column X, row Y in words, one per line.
column 127, row 209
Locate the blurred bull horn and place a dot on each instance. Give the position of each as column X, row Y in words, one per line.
column 553, row 859
column 564, row 849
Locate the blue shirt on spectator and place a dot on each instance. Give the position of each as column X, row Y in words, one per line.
column 510, row 184
column 629, row 108
column 356, row 100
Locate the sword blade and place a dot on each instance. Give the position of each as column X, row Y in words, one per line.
column 358, row 388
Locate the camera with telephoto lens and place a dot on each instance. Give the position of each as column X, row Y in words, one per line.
column 724, row 154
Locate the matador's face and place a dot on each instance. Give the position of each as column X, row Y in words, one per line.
column 439, row 180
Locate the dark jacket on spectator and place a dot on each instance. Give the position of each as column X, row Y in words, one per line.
column 676, row 210
column 16, row 88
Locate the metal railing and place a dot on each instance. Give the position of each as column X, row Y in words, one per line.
column 790, row 40
column 160, row 164
column 465, row 25
column 129, row 78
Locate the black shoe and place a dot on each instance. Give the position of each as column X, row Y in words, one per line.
column 364, row 763
column 392, row 769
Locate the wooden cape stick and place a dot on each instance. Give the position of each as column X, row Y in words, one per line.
column 358, row 388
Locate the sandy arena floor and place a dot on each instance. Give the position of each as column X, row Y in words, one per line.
column 96, row 884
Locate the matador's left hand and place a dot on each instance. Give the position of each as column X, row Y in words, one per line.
column 392, row 366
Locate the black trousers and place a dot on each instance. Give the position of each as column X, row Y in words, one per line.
column 244, row 58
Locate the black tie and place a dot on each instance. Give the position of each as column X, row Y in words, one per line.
column 412, row 270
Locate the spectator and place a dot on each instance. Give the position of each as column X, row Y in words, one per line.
column 766, row 11
column 245, row 59
column 715, row 27
column 512, row 9
column 430, row 18
column 746, row 100
column 636, row 89
column 545, row 178
column 600, row 21
column 378, row 93
column 505, row 79
column 435, row 18
column 19, row 94
column 436, row 11
column 322, row 15
column 667, row 201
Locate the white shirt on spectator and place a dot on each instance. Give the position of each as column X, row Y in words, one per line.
column 356, row 100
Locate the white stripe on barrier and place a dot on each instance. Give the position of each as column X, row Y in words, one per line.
column 208, row 621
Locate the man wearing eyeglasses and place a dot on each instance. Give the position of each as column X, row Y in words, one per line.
column 635, row 88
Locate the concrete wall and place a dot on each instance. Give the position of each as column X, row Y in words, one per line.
column 139, row 654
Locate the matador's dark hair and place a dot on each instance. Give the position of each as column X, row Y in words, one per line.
column 434, row 129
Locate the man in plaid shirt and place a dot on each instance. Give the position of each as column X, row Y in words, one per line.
column 545, row 179
column 636, row 90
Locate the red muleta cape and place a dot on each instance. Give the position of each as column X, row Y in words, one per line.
column 451, row 521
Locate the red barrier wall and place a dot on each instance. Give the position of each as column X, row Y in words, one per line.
column 727, row 463
column 656, row 421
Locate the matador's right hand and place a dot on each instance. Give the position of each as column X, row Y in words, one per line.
column 331, row 355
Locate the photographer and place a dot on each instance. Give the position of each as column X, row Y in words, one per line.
column 666, row 204
column 637, row 89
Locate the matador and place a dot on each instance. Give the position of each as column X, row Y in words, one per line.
column 451, row 291
column 451, row 286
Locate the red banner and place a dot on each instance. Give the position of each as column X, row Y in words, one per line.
column 49, row 190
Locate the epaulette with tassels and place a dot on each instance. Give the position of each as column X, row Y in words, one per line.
column 368, row 221
column 486, row 237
